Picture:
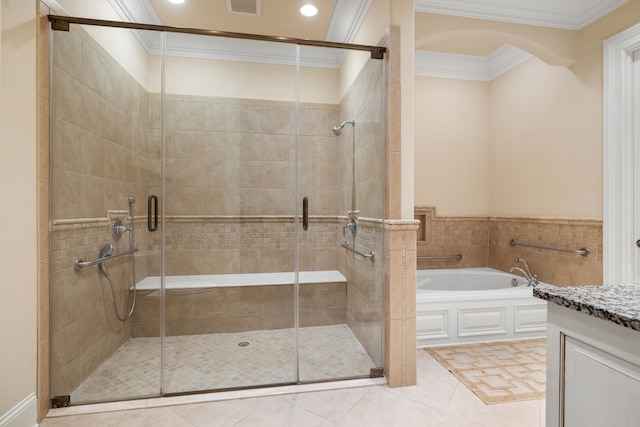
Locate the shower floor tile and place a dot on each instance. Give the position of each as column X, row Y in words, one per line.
column 216, row 361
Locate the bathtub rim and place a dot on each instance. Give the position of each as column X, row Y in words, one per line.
column 428, row 295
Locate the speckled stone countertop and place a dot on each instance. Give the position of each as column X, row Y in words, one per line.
column 617, row 303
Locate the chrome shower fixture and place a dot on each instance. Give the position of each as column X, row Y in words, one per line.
column 118, row 229
column 337, row 130
column 106, row 251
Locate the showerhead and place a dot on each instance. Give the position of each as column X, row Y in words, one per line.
column 337, row 130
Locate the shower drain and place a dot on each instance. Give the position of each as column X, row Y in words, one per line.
column 243, row 344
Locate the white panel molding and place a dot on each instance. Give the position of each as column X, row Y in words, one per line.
column 618, row 159
column 548, row 13
column 529, row 317
column 345, row 22
column 23, row 414
column 469, row 67
column 433, row 324
column 474, row 321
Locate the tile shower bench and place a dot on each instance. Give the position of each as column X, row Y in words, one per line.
column 593, row 357
column 219, row 303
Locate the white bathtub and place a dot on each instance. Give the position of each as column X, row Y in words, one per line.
column 469, row 305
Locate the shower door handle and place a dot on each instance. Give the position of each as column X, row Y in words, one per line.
column 305, row 213
column 152, row 200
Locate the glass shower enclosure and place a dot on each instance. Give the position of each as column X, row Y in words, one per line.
column 210, row 228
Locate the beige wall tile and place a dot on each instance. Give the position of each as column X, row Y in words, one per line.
column 485, row 242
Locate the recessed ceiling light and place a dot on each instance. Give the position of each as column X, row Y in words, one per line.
column 177, row 1
column 309, row 10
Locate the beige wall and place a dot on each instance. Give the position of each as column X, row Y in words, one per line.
column 545, row 125
column 546, row 152
column 452, row 148
column 18, row 253
column 517, row 146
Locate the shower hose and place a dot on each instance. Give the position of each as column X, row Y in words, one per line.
column 113, row 291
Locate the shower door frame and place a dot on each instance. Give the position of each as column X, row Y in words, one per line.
column 61, row 23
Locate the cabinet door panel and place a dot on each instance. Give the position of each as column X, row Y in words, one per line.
column 599, row 388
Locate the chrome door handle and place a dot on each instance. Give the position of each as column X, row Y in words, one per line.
column 152, row 200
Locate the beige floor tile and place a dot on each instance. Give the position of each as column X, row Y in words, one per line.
column 332, row 405
column 158, row 417
column 439, row 399
column 513, row 414
column 217, row 361
column 380, row 407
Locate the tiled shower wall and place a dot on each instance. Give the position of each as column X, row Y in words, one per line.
column 484, row 242
column 362, row 161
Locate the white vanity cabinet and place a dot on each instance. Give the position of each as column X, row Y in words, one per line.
column 593, row 362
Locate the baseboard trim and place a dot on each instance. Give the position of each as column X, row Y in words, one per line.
column 23, row 414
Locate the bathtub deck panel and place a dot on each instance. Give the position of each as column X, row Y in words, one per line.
column 465, row 314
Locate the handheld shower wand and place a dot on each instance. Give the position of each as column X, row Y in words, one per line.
column 106, row 251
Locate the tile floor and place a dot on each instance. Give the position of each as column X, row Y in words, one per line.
column 216, row 361
column 439, row 399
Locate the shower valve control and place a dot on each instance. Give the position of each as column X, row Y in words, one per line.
column 117, row 229
column 352, row 225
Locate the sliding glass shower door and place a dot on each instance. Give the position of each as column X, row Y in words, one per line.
column 230, row 214
column 105, row 162
column 217, row 211
column 341, row 155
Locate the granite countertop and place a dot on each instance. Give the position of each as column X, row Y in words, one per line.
column 617, row 303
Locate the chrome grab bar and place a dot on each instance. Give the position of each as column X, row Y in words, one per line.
column 371, row 255
column 433, row 257
column 80, row 264
column 581, row 251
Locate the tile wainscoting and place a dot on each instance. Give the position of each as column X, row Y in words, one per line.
column 484, row 242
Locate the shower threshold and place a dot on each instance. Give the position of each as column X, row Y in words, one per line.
column 196, row 363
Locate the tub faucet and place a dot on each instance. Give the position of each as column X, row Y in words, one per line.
column 532, row 279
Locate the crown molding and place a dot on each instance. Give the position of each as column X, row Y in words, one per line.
column 451, row 66
column 546, row 13
column 469, row 67
column 505, row 58
column 345, row 22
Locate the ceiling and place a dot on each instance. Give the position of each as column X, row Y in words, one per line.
column 282, row 18
column 277, row 17
column 337, row 20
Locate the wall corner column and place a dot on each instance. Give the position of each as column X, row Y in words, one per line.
column 400, row 307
